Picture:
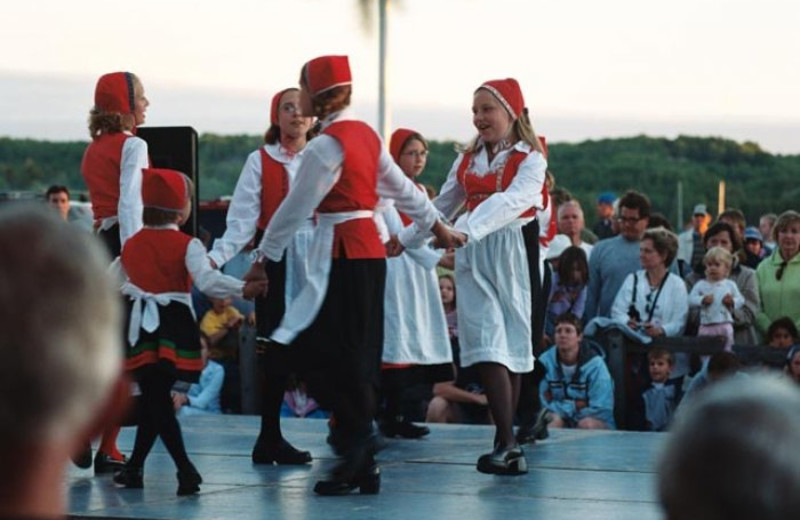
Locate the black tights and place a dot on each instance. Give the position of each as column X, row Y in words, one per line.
column 157, row 418
column 502, row 392
column 274, row 386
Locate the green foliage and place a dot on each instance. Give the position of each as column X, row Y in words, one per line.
column 757, row 182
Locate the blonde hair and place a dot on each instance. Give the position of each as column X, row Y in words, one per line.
column 521, row 129
column 720, row 255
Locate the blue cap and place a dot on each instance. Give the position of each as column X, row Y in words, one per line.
column 606, row 198
column 752, row 233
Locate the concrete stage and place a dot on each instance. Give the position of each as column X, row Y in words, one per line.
column 573, row 475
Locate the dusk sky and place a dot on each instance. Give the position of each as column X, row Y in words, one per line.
column 588, row 69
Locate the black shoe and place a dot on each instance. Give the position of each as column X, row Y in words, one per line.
column 83, row 459
column 283, row 453
column 399, row 427
column 189, row 482
column 103, row 463
column 129, row 477
column 368, row 482
column 504, row 461
column 536, row 431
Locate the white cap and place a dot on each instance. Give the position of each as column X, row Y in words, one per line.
column 557, row 246
column 700, row 209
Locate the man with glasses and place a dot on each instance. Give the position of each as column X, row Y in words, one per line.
column 615, row 258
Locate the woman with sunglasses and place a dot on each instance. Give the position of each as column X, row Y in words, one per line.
column 779, row 274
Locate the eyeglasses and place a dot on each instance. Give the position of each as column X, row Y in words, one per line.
column 629, row 220
column 779, row 272
column 415, row 153
column 290, row 108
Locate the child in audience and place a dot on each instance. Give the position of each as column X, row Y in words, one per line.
column 577, row 389
column 793, row 364
column 663, row 394
column 717, row 296
column 568, row 292
column 782, row 333
column 203, row 396
column 221, row 325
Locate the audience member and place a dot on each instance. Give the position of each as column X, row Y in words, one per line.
column 577, row 389
column 720, row 365
column 754, row 249
column 604, row 227
column 59, row 384
column 690, row 243
column 765, row 225
column 58, row 198
column 733, row 454
column 793, row 364
column 717, row 296
column 615, row 258
column 744, row 333
column 779, row 274
column 221, row 325
column 662, row 394
column 203, row 396
column 571, row 223
column 782, row 333
column 568, row 289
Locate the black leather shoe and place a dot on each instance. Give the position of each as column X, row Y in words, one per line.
column 83, row 459
column 283, row 453
column 537, row 431
column 103, row 463
column 399, row 427
column 129, row 477
column 367, row 482
column 189, row 482
column 504, row 461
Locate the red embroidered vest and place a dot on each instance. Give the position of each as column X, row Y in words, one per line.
column 355, row 190
column 274, row 187
column 479, row 189
column 101, row 171
column 155, row 260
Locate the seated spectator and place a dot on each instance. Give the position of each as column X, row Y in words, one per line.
column 604, row 227
column 793, row 364
column 782, row 333
column 744, row 332
column 60, row 384
column 572, row 224
column 203, row 396
column 663, row 394
column 58, row 199
column 463, row 400
column 716, row 296
column 779, row 274
column 577, row 389
column 719, row 366
column 754, row 249
column 570, row 276
column 733, row 454
column 221, row 325
column 297, row 403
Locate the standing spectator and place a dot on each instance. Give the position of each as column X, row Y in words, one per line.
column 604, row 227
column 615, row 258
column 59, row 383
column 577, row 389
column 724, row 236
column 754, row 249
column 568, row 289
column 782, row 333
column 571, row 223
column 735, row 218
column 690, row 242
column 765, row 225
column 663, row 393
column 779, row 274
column 58, row 199
column 733, row 454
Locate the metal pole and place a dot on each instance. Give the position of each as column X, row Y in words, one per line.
column 721, row 198
column 679, row 218
column 383, row 110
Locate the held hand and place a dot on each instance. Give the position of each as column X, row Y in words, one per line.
column 580, row 404
column 633, row 325
column 653, row 331
column 255, row 288
column 727, row 301
column 394, row 247
column 447, row 238
column 448, row 260
column 256, row 272
column 708, row 299
column 213, row 263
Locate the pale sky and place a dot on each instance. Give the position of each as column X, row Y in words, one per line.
column 588, row 69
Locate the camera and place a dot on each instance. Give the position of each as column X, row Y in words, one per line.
column 633, row 314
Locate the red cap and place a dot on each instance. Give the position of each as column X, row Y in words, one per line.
column 274, row 107
column 543, row 140
column 399, row 139
column 508, row 93
column 327, row 72
column 114, row 93
column 164, row 189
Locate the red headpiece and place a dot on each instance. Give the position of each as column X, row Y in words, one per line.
column 327, row 72
column 275, row 106
column 399, row 139
column 164, row 189
column 114, row 93
column 508, row 93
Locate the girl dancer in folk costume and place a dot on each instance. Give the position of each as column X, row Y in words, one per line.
column 112, row 168
column 160, row 263
column 339, row 309
column 265, row 180
column 500, row 178
column 416, row 347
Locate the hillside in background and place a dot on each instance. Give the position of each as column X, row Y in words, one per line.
column 757, row 182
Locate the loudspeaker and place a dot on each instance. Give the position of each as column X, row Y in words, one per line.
column 175, row 148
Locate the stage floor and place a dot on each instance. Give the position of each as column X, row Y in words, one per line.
column 573, row 475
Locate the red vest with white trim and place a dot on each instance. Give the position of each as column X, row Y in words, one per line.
column 355, row 190
column 274, row 187
column 545, row 236
column 101, row 171
column 479, row 188
column 155, row 260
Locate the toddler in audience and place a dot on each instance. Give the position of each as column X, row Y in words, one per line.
column 717, row 296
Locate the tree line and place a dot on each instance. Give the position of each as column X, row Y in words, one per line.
column 757, row 182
